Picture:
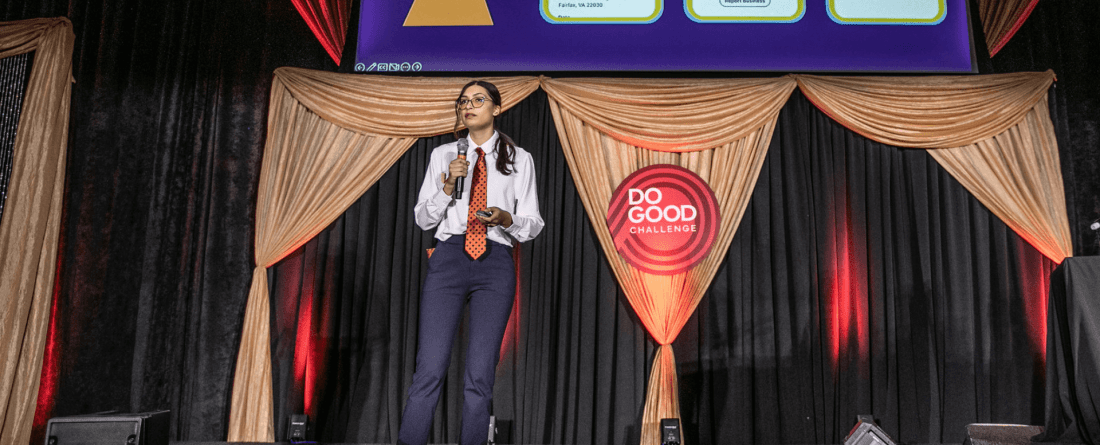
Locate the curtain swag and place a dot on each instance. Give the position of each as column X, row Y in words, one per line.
column 32, row 219
column 927, row 112
column 331, row 136
column 992, row 133
column 386, row 105
column 676, row 115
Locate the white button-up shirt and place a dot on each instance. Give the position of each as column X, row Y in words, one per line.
column 514, row 193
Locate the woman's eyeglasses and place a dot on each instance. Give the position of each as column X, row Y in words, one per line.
column 477, row 102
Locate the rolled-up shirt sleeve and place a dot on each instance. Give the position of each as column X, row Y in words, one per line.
column 432, row 203
column 526, row 220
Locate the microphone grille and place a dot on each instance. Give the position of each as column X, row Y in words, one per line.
column 463, row 146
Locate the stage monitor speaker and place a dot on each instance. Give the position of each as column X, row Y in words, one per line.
column 866, row 432
column 149, row 428
column 1000, row 434
column 298, row 428
column 670, row 431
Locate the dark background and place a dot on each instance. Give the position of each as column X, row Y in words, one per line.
column 166, row 137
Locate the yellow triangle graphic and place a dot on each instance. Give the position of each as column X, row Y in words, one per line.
column 449, row 13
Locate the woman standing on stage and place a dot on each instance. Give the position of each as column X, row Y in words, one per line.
column 472, row 261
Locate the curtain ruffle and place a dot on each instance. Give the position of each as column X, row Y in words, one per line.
column 676, row 115
column 927, row 112
column 389, row 105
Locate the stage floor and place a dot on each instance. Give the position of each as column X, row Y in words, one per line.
column 364, row 443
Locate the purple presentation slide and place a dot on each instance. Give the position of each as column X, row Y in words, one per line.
column 665, row 35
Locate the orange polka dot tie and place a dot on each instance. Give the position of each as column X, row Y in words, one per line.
column 475, row 230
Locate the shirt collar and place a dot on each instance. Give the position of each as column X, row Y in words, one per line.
column 489, row 146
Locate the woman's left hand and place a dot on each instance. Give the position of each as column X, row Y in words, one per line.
column 498, row 217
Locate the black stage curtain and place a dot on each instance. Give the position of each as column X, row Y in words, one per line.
column 863, row 280
column 168, row 121
column 1073, row 368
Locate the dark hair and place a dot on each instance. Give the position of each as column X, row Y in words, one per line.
column 506, row 147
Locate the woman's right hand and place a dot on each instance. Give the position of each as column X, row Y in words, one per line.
column 458, row 169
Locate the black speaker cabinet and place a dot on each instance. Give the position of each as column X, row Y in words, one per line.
column 118, row 429
column 866, row 432
column 1000, row 434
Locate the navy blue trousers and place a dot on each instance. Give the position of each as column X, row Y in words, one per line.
column 489, row 285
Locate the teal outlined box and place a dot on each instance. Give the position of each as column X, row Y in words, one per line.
column 880, row 12
column 745, row 11
column 601, row 12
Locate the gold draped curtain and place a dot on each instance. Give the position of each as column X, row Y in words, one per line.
column 992, row 133
column 330, row 137
column 32, row 215
column 719, row 129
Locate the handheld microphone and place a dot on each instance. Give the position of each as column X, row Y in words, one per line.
column 463, row 146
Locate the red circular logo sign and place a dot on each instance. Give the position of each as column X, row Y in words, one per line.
column 664, row 219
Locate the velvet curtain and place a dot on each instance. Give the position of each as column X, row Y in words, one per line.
column 1001, row 19
column 328, row 19
column 29, row 229
column 330, row 137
